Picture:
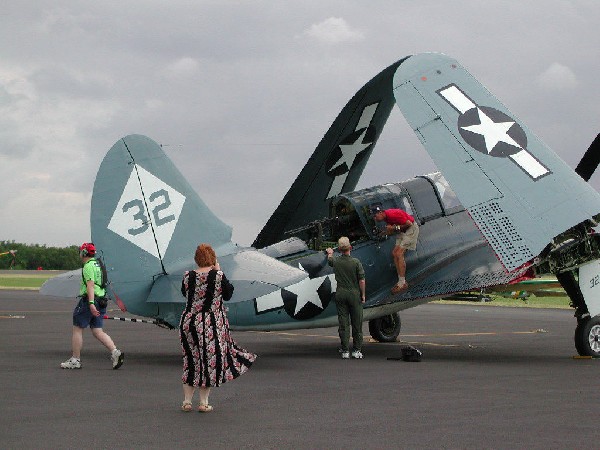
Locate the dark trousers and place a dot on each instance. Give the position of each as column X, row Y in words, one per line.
column 349, row 309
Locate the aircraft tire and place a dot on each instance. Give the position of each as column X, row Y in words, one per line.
column 386, row 328
column 587, row 337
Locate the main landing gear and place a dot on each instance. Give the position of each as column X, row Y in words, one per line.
column 587, row 336
column 386, row 328
column 587, row 332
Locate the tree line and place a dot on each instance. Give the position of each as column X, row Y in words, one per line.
column 35, row 256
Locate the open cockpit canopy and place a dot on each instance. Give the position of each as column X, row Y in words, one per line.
column 424, row 197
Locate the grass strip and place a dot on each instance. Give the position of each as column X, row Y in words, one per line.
column 32, row 281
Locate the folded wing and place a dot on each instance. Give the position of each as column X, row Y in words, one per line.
column 517, row 190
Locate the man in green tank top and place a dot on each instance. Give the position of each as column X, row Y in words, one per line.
column 90, row 310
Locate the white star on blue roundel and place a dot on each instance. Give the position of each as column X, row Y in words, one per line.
column 491, row 132
column 304, row 304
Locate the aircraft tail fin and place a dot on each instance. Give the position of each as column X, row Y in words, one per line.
column 338, row 161
column 145, row 217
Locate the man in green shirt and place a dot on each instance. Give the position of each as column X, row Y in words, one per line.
column 90, row 310
column 349, row 296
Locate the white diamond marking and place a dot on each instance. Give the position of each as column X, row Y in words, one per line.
column 138, row 213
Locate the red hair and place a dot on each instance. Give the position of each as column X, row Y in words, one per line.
column 205, row 256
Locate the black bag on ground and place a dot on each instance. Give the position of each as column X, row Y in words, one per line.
column 411, row 354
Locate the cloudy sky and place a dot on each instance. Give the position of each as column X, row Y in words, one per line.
column 241, row 92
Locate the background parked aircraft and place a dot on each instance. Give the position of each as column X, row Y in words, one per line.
column 11, row 253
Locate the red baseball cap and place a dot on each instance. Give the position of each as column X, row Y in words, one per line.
column 87, row 249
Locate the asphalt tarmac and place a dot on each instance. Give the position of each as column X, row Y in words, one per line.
column 490, row 377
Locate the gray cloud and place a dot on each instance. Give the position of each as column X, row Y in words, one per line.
column 334, row 30
column 558, row 77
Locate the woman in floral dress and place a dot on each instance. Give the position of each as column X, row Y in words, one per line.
column 210, row 356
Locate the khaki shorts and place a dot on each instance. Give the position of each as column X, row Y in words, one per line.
column 408, row 239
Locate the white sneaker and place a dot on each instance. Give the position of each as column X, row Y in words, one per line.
column 117, row 357
column 357, row 354
column 71, row 363
column 345, row 355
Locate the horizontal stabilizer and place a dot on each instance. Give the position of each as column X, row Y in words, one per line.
column 64, row 285
column 518, row 191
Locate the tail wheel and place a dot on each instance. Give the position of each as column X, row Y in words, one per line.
column 386, row 328
column 587, row 337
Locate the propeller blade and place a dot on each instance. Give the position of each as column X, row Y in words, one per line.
column 586, row 167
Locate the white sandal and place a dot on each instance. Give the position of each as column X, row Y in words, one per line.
column 204, row 408
column 186, row 406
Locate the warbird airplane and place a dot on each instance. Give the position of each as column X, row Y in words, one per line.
column 505, row 208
